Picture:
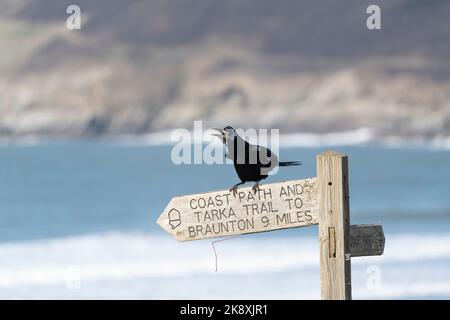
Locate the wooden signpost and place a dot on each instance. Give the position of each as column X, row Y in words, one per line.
column 216, row 214
column 322, row 200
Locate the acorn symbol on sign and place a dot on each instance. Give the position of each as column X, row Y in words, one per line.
column 174, row 218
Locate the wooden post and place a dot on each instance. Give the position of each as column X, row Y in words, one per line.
column 334, row 226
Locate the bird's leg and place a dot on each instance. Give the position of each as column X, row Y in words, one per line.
column 255, row 187
column 235, row 187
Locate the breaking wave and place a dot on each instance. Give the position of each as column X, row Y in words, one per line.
column 146, row 266
column 358, row 137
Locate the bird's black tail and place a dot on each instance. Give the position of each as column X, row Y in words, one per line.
column 289, row 163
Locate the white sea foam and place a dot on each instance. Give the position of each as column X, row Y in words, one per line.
column 147, row 266
column 441, row 143
column 26, row 141
column 159, row 138
column 345, row 138
column 363, row 136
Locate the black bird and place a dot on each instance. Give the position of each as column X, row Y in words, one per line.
column 252, row 162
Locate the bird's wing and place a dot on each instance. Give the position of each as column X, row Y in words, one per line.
column 260, row 149
column 265, row 156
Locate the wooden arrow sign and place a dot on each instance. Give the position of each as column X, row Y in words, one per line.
column 275, row 206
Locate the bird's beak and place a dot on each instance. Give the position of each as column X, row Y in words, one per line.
column 220, row 134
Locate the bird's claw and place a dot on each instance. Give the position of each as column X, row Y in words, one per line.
column 255, row 188
column 234, row 190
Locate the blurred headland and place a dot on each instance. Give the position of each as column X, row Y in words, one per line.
column 138, row 67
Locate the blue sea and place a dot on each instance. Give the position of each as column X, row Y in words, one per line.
column 77, row 221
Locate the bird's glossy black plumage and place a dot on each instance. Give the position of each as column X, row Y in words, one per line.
column 251, row 162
